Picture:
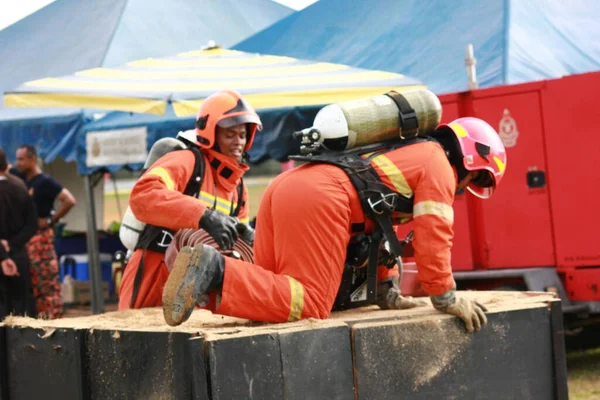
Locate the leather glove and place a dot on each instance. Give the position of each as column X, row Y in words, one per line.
column 470, row 311
column 246, row 233
column 389, row 297
column 220, row 226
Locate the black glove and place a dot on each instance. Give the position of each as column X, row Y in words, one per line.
column 221, row 227
column 246, row 233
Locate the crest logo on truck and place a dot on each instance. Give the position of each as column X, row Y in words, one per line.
column 507, row 129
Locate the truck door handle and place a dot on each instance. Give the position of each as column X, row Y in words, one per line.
column 536, row 179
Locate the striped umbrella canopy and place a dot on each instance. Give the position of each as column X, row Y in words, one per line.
column 186, row 79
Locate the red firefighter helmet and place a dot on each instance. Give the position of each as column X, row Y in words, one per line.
column 482, row 150
column 225, row 108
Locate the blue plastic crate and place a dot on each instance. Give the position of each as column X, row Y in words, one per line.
column 77, row 266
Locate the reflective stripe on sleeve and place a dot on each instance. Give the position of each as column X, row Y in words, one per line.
column 430, row 207
column 164, row 177
column 296, row 299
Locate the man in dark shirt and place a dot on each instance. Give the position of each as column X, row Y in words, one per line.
column 18, row 223
column 44, row 266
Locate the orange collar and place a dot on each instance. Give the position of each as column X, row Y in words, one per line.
column 226, row 170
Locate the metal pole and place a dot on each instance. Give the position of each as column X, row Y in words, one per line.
column 93, row 252
column 470, row 62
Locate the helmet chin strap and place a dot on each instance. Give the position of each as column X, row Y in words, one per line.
column 461, row 171
column 244, row 159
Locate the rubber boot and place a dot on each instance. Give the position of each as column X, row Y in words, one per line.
column 196, row 272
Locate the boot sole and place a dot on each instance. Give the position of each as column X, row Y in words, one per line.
column 178, row 299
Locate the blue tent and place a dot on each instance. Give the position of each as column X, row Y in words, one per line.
column 156, row 127
column 274, row 142
column 64, row 36
column 73, row 35
column 158, row 28
column 51, row 130
column 514, row 41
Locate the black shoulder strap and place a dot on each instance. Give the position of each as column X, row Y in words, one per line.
column 195, row 183
column 240, row 198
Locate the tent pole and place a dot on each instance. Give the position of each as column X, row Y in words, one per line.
column 470, row 62
column 93, row 252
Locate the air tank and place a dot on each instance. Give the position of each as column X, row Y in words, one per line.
column 355, row 123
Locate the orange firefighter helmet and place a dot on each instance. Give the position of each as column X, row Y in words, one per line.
column 225, row 108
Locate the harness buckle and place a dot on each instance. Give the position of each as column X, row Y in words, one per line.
column 387, row 200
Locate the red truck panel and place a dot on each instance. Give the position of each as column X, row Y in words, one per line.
column 545, row 212
column 583, row 284
column 571, row 114
column 516, row 223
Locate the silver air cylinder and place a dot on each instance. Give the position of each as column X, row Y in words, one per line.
column 355, row 123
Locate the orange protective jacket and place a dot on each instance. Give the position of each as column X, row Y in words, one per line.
column 304, row 225
column 157, row 199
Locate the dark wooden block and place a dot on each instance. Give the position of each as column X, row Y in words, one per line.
column 3, row 365
column 317, row 363
column 138, row 365
column 511, row 358
column 45, row 364
column 559, row 351
column 200, row 387
column 245, row 367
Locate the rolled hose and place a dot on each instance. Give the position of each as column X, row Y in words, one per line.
column 191, row 237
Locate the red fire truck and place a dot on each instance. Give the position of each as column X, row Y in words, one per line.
column 539, row 231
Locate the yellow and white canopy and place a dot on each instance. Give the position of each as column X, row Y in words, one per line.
column 186, row 79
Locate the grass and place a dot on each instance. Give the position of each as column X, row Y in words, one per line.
column 584, row 374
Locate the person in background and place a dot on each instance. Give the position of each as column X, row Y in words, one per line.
column 44, row 190
column 18, row 223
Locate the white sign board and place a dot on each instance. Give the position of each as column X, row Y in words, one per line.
column 118, row 146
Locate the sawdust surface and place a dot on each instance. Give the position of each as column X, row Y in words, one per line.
column 203, row 321
column 433, row 347
column 427, row 345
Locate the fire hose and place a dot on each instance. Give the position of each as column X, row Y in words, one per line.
column 191, row 237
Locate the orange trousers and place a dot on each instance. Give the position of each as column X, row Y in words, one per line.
column 303, row 228
column 155, row 275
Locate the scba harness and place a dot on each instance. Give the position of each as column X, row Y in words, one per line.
column 379, row 202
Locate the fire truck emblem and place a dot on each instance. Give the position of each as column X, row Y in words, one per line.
column 507, row 129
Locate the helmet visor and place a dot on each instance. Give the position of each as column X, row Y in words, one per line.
column 482, row 185
column 240, row 119
column 482, row 193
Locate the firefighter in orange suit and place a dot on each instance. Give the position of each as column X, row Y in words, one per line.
column 174, row 194
column 304, row 226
